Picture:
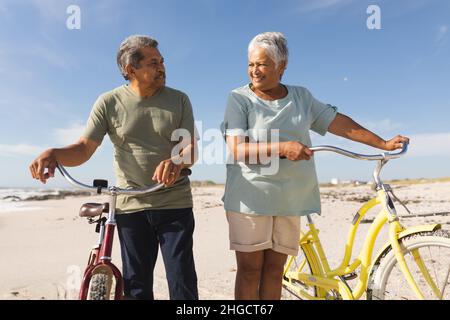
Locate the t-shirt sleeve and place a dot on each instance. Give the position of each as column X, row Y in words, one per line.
column 235, row 120
column 321, row 116
column 97, row 124
column 187, row 120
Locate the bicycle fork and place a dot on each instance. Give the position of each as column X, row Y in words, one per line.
column 394, row 230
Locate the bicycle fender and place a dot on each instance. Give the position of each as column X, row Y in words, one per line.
column 405, row 233
column 102, row 268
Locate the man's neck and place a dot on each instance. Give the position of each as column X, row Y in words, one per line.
column 143, row 91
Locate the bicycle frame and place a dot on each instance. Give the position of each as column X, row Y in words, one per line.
column 100, row 257
column 324, row 279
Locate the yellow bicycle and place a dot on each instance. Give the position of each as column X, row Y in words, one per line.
column 413, row 264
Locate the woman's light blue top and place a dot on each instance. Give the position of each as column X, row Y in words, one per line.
column 280, row 186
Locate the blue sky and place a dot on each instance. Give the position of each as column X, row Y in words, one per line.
column 392, row 80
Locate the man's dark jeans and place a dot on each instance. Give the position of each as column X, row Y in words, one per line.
column 141, row 234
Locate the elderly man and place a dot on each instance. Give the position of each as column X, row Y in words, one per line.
column 140, row 118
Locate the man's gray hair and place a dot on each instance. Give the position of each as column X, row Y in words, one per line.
column 130, row 54
column 275, row 45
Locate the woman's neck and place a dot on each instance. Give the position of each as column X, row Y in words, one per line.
column 275, row 93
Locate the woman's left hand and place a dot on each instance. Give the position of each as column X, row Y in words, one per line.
column 395, row 143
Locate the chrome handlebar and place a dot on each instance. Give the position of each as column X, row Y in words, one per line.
column 382, row 156
column 115, row 190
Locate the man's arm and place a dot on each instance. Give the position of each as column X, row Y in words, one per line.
column 345, row 127
column 70, row 156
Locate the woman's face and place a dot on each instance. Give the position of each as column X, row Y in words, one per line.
column 262, row 71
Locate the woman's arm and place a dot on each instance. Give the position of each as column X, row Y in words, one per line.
column 344, row 126
column 247, row 152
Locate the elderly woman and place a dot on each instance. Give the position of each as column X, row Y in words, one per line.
column 263, row 210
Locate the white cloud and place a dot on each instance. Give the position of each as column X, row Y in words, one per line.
column 430, row 145
column 49, row 55
column 316, row 5
column 441, row 39
column 51, row 10
column 12, row 55
column 385, row 126
column 69, row 135
column 46, row 8
column 441, row 34
column 3, row 9
column 20, row 150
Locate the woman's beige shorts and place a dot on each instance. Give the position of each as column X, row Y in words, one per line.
column 251, row 232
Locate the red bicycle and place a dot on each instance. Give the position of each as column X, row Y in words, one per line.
column 101, row 275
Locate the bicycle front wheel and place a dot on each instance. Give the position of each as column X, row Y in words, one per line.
column 427, row 255
column 100, row 286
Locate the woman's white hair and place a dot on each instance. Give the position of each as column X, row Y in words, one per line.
column 130, row 54
column 275, row 45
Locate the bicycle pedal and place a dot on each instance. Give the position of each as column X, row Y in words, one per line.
column 350, row 276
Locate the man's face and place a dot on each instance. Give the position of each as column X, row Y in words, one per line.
column 151, row 71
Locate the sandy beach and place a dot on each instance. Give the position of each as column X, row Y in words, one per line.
column 44, row 250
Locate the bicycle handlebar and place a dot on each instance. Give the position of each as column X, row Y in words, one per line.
column 382, row 157
column 183, row 174
column 371, row 157
column 350, row 154
column 186, row 172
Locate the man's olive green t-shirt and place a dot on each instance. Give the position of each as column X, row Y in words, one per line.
column 141, row 132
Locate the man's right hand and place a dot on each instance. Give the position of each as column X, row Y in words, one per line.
column 46, row 160
column 295, row 151
column 70, row 156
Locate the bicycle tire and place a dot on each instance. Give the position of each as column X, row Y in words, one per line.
column 387, row 280
column 100, row 287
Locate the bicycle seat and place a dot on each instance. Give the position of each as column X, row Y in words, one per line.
column 93, row 209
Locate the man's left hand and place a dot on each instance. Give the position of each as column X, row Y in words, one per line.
column 167, row 172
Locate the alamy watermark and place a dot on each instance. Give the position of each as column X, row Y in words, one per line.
column 73, row 21
column 214, row 150
column 374, row 20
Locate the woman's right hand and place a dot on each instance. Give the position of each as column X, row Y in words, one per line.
column 45, row 160
column 295, row 151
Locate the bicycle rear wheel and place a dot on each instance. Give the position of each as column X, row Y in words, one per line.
column 433, row 248
column 292, row 287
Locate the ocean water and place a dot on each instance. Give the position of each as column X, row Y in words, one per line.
column 15, row 199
